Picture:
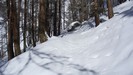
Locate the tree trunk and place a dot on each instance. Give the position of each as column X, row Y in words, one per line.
column 48, row 28
column 97, row 21
column 59, row 23
column 15, row 28
column 55, row 19
column 10, row 33
column 18, row 22
column 29, row 28
column 33, row 32
column 42, row 14
column 25, row 23
column 81, row 11
column 110, row 9
column 64, row 15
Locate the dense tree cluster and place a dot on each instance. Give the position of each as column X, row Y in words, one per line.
column 32, row 21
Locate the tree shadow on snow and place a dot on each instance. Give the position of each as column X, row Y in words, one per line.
column 4, row 68
column 54, row 62
column 127, row 13
column 60, row 61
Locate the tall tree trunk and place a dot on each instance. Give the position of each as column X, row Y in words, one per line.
column 97, row 20
column 59, row 14
column 42, row 14
column 55, row 19
column 36, row 22
column 64, row 15
column 18, row 13
column 48, row 28
column 10, row 32
column 25, row 23
column 81, row 11
column 15, row 28
column 29, row 27
column 73, row 10
column 110, row 9
column 18, row 21
column 86, row 9
column 33, row 32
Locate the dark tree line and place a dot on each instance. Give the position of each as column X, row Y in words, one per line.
column 32, row 21
column 36, row 20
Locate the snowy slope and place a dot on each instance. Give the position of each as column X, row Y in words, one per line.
column 104, row 50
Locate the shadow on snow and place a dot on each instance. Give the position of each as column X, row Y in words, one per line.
column 54, row 61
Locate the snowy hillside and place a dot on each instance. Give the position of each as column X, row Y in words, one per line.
column 104, row 50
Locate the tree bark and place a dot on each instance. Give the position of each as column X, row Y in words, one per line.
column 10, row 33
column 55, row 19
column 15, row 28
column 33, row 32
column 25, row 23
column 42, row 14
column 110, row 9
column 59, row 23
column 97, row 20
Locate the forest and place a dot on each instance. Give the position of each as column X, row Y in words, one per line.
column 29, row 22
column 66, row 37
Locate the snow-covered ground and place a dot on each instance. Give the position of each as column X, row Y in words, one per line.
column 104, row 50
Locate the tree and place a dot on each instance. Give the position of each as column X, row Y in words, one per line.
column 42, row 14
column 33, row 25
column 63, row 14
column 97, row 20
column 25, row 23
column 73, row 10
column 101, row 6
column 15, row 28
column 110, row 9
column 83, row 10
column 59, row 16
column 79, row 10
column 10, row 32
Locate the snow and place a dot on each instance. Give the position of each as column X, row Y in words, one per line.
column 104, row 50
column 73, row 25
